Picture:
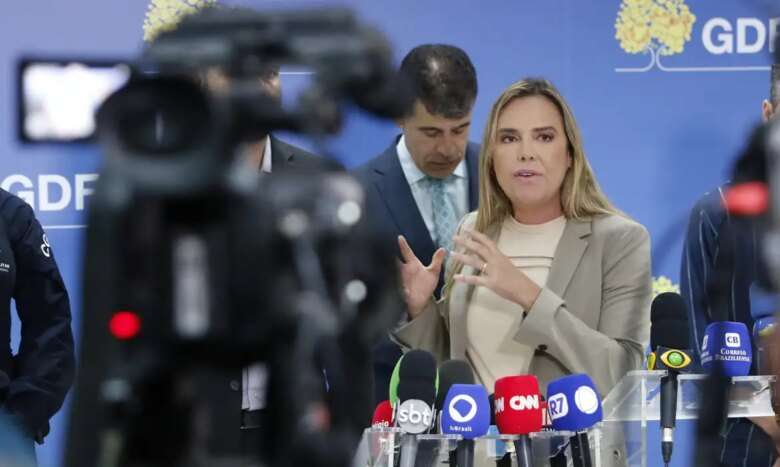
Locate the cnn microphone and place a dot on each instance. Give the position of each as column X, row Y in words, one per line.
column 574, row 405
column 727, row 345
column 383, row 415
column 415, row 388
column 497, row 449
column 519, row 412
column 466, row 412
column 670, row 342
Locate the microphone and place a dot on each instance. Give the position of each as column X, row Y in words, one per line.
column 415, row 387
column 383, row 415
column 762, row 329
column 497, row 449
column 393, row 388
column 727, row 345
column 546, row 420
column 669, row 338
column 762, row 309
column 450, row 372
column 574, row 405
column 466, row 412
column 519, row 412
column 417, row 377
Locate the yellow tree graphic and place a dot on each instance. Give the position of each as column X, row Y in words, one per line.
column 660, row 26
column 663, row 284
column 165, row 15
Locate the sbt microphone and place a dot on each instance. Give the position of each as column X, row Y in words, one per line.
column 414, row 416
column 519, row 412
column 727, row 344
column 670, row 340
column 414, row 384
column 574, row 405
column 416, row 374
column 466, row 412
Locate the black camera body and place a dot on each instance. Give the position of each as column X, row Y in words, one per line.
column 223, row 267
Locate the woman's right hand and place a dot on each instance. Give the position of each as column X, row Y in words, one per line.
column 419, row 281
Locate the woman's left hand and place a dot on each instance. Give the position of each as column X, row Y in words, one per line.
column 497, row 272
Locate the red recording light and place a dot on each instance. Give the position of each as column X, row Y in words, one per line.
column 125, row 325
column 747, row 199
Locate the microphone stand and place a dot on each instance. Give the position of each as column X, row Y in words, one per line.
column 524, row 451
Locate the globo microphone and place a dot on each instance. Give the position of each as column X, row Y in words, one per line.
column 466, row 412
column 727, row 345
column 574, row 405
column 450, row 372
column 519, row 412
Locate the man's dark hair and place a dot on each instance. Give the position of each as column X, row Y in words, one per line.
column 774, row 91
column 443, row 78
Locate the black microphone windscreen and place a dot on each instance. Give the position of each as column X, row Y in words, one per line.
column 669, row 322
column 492, row 400
column 452, row 372
column 417, row 376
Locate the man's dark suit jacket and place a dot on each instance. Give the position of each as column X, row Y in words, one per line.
column 284, row 157
column 392, row 212
column 288, row 157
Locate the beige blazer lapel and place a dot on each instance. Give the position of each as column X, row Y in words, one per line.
column 459, row 305
column 568, row 254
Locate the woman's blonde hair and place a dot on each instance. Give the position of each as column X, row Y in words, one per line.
column 581, row 196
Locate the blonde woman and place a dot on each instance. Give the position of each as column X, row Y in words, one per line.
column 548, row 278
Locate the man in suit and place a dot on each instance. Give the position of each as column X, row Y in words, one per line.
column 427, row 180
column 746, row 442
column 250, row 392
column 268, row 153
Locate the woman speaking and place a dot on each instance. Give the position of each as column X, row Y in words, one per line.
column 548, row 278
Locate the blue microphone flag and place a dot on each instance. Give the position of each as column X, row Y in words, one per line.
column 573, row 403
column 727, row 342
column 466, row 411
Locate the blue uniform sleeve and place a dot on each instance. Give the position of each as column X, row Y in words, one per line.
column 45, row 364
column 698, row 259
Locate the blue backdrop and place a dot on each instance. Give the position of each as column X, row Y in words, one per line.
column 659, row 129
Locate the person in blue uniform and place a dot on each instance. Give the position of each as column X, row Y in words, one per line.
column 33, row 383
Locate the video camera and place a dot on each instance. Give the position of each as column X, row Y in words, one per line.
column 197, row 267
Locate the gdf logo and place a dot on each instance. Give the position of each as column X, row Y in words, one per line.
column 414, row 416
column 733, row 339
column 456, row 415
column 519, row 403
column 558, row 406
